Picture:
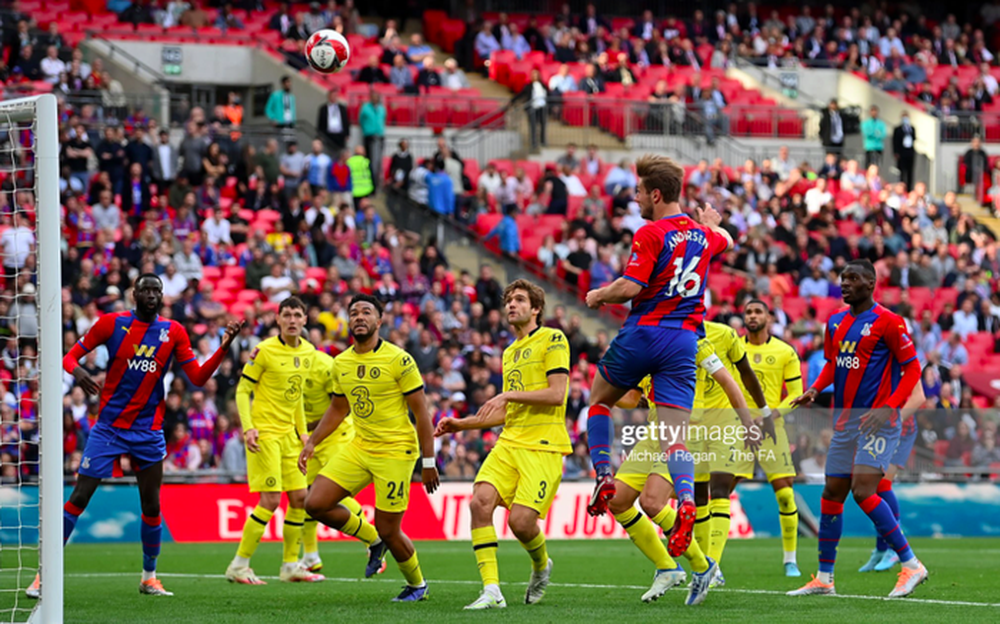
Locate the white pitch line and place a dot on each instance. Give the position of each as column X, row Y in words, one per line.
column 727, row 590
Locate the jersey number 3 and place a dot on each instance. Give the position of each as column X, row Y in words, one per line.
column 362, row 406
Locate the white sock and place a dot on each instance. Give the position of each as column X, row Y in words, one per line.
column 825, row 577
column 289, row 566
column 311, row 557
column 790, row 557
column 148, row 575
column 240, row 562
column 493, row 589
column 912, row 564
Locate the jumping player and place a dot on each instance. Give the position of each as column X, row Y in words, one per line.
column 665, row 280
column 872, row 363
column 141, row 345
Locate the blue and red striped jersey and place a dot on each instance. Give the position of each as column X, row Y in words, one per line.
column 670, row 260
column 869, row 351
column 139, row 355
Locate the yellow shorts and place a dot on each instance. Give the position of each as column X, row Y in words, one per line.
column 716, row 446
column 353, row 469
column 275, row 467
column 325, row 452
column 523, row 476
column 775, row 457
column 643, row 460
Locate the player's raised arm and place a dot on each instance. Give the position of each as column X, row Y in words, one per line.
column 710, row 218
column 99, row 333
column 199, row 374
column 646, row 247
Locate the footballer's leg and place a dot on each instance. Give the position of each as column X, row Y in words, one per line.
column 539, row 474
column 485, row 499
column 291, row 569
column 600, row 434
column 150, row 479
column 831, row 525
column 239, row 570
column 655, row 501
column 523, row 522
column 888, row 558
column 788, row 512
column 719, row 521
column 323, row 502
column 642, row 532
column 389, row 527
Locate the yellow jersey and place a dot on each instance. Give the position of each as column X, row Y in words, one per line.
column 777, row 366
column 376, row 384
column 319, row 387
column 707, row 362
column 729, row 347
column 279, row 373
column 527, row 364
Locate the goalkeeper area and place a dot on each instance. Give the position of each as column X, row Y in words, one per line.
column 596, row 581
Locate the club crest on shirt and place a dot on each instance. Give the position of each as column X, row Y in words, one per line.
column 296, row 361
column 361, row 371
column 866, row 330
column 770, row 359
column 164, row 335
column 375, row 373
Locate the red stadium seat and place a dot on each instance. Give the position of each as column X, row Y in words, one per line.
column 228, row 284
column 211, row 274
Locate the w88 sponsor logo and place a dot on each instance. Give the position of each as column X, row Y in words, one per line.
column 851, row 362
column 144, row 365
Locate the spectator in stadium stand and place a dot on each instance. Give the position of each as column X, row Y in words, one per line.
column 401, row 165
column 164, row 164
column 440, row 190
column 282, row 20
column 333, row 123
column 506, row 231
column 516, row 43
column 292, row 165
column 361, row 175
column 976, row 162
column 136, row 196
column 400, row 75
column 489, row 180
column 488, row 290
column 195, row 17
column 52, row 66
column 452, row 77
column 831, row 128
column 486, row 42
column 227, row 20
column 874, row 131
column 280, row 107
column 428, row 76
column 372, row 121
column 187, row 261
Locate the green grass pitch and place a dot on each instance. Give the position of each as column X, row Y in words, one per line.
column 598, row 581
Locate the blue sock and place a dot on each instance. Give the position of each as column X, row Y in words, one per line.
column 680, row 463
column 151, row 530
column 831, row 525
column 600, row 430
column 885, row 491
column 71, row 513
column 887, row 526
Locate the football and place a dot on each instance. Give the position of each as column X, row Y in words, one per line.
column 327, row 51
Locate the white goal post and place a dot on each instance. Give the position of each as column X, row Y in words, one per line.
column 31, row 167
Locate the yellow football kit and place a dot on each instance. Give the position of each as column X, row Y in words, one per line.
column 278, row 375
column 645, row 457
column 715, row 413
column 777, row 366
column 319, row 387
column 384, row 449
column 525, row 466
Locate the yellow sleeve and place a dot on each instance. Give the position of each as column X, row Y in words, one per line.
column 557, row 355
column 737, row 350
column 333, row 383
column 252, row 371
column 407, row 375
column 793, row 379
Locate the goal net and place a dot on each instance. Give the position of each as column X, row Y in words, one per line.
column 31, row 462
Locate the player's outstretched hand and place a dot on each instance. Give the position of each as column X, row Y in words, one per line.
column 305, row 456
column 805, row 398
column 766, row 425
column 593, row 300
column 753, row 437
column 874, row 420
column 85, row 381
column 430, row 478
column 250, row 437
column 233, row 330
column 706, row 215
column 445, row 426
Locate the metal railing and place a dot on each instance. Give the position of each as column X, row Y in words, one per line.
column 962, row 126
column 122, row 56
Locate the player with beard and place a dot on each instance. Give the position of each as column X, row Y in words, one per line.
column 378, row 384
column 872, row 363
column 524, row 469
column 141, row 345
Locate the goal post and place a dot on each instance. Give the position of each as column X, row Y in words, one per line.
column 29, row 165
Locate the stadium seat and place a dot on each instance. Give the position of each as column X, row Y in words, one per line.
column 211, row 274
column 236, row 273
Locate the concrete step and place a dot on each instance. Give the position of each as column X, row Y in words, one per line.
column 982, row 214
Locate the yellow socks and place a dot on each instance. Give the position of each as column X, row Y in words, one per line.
column 253, row 530
column 292, row 534
column 789, row 519
column 537, row 551
column 643, row 534
column 484, row 544
column 353, row 505
column 357, row 526
column 702, row 528
column 310, row 543
column 665, row 519
column 719, row 526
column 411, row 571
